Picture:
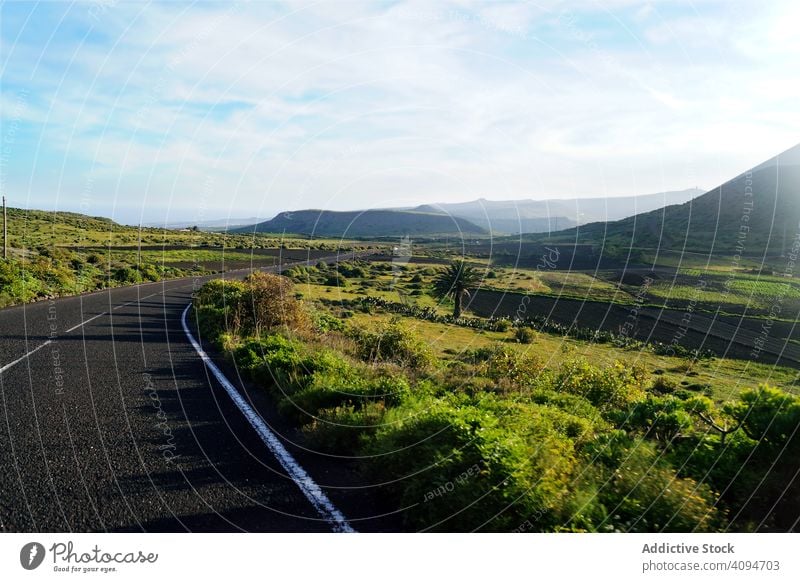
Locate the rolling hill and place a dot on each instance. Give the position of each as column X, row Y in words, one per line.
column 537, row 216
column 218, row 224
column 755, row 214
column 366, row 223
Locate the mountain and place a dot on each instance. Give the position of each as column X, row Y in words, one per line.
column 536, row 216
column 218, row 224
column 366, row 223
column 754, row 214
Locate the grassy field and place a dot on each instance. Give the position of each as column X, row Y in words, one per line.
column 410, row 284
column 493, row 427
column 30, row 229
column 56, row 254
column 719, row 378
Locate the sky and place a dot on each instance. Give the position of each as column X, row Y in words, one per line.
column 171, row 111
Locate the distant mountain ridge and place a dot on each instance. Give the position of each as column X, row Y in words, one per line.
column 366, row 223
column 536, row 216
column 216, row 224
column 755, row 213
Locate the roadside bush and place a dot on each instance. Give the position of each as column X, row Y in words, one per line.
column 127, row 276
column 348, row 387
column 393, row 342
column 458, row 468
column 268, row 302
column 344, row 429
column 609, row 387
column 642, row 493
column 502, row 325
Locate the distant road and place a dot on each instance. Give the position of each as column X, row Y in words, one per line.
column 115, row 424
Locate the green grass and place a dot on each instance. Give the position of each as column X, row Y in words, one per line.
column 53, row 254
column 731, row 292
column 472, row 431
column 719, row 378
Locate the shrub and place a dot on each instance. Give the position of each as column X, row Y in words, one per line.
column 663, row 385
column 507, row 365
column 346, row 387
column 457, row 468
column 393, row 342
column 524, row 335
column 268, row 303
column 344, row 429
column 609, row 387
column 324, row 322
column 660, row 418
column 502, row 325
column 351, row 271
column 335, row 280
column 642, row 493
column 768, row 415
column 127, row 275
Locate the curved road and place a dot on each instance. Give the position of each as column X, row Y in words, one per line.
column 116, row 425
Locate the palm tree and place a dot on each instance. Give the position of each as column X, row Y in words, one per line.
column 456, row 281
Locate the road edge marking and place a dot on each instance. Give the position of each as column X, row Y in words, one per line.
column 24, row 357
column 307, row 485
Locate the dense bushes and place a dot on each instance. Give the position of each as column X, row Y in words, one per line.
column 55, row 272
column 495, row 439
column 526, row 327
column 260, row 303
column 640, row 491
column 392, row 342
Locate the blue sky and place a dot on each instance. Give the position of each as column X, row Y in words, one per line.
column 190, row 111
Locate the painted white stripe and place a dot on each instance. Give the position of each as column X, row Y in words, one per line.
column 307, row 485
column 18, row 360
column 73, row 328
column 81, row 324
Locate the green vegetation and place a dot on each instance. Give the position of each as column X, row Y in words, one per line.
column 54, row 254
column 456, row 281
column 367, row 223
column 472, row 428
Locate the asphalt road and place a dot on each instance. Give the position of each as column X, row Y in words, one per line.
column 116, row 425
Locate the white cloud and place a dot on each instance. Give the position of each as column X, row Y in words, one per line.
column 354, row 105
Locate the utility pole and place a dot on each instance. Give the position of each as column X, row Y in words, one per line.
column 5, row 230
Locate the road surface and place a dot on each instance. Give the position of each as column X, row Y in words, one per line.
column 109, row 421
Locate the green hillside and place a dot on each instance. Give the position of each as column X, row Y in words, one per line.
column 52, row 254
column 755, row 214
column 366, row 223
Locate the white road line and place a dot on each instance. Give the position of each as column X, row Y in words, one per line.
column 307, row 485
column 18, row 360
column 81, row 324
column 73, row 328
